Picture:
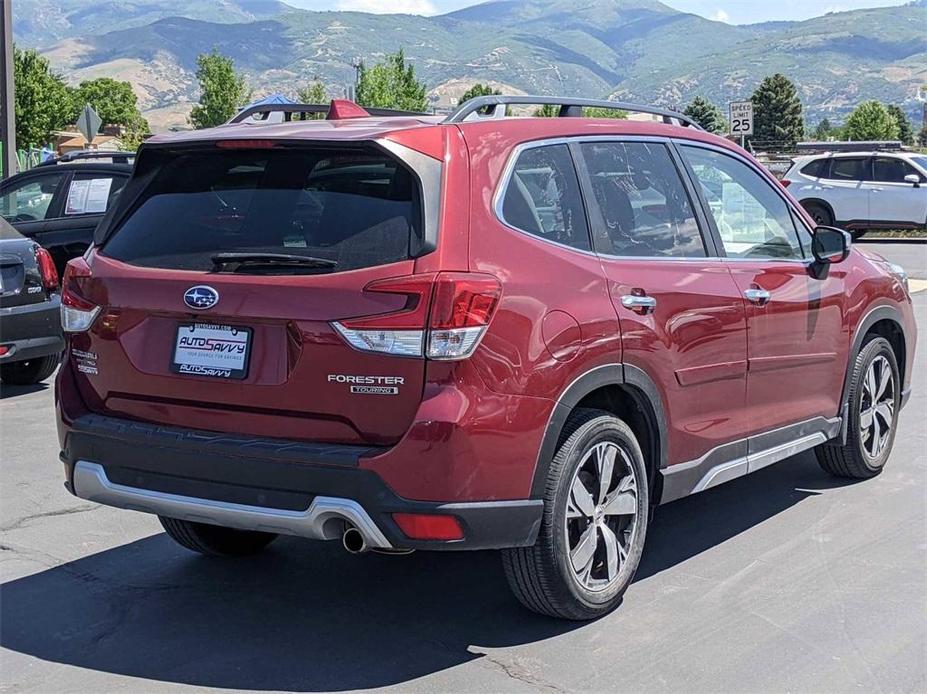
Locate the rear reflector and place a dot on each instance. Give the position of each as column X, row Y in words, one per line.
column 77, row 313
column 47, row 269
column 444, row 318
column 424, row 526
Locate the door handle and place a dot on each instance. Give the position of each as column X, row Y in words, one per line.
column 639, row 304
column 757, row 296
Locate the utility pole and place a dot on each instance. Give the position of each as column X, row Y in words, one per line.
column 7, row 108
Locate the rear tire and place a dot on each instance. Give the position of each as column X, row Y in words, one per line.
column 820, row 213
column 214, row 540
column 596, row 508
column 874, row 399
column 30, row 371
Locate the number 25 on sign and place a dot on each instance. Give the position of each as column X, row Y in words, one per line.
column 741, row 118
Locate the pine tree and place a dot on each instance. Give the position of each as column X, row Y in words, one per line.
column 391, row 84
column 707, row 115
column 476, row 90
column 871, row 121
column 905, row 129
column 823, row 131
column 777, row 114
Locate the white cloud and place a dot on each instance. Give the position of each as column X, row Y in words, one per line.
column 423, row 7
column 721, row 16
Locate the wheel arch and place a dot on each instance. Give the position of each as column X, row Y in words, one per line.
column 819, row 201
column 629, row 393
column 884, row 321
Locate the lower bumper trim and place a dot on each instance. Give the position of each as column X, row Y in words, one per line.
column 323, row 520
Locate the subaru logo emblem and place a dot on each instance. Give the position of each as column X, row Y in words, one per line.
column 201, row 297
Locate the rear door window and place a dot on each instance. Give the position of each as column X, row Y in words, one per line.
column 542, row 197
column 91, row 193
column 642, row 201
column 848, row 169
column 354, row 207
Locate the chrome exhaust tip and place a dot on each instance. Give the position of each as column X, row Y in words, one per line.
column 353, row 540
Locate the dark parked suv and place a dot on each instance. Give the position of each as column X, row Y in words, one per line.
column 408, row 332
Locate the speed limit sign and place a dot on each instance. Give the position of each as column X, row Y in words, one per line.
column 741, row 118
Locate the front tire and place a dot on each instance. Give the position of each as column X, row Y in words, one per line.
column 874, row 400
column 596, row 508
column 28, row 372
column 214, row 540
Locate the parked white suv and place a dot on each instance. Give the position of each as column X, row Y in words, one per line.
column 862, row 190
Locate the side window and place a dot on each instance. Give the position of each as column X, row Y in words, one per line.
column 890, row 170
column 848, row 169
column 30, row 200
column 815, row 168
column 91, row 193
column 752, row 219
column 542, row 197
column 642, row 201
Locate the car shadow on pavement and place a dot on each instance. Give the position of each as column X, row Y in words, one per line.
column 309, row 617
column 12, row 391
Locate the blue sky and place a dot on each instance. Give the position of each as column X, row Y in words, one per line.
column 733, row 11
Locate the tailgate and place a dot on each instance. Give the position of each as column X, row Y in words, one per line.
column 248, row 347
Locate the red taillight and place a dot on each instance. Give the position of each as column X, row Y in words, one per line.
column 464, row 300
column 3, row 350
column 424, row 526
column 77, row 313
column 445, row 316
column 47, row 269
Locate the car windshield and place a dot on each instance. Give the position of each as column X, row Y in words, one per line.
column 921, row 162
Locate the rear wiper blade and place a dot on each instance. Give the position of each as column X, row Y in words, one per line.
column 222, row 260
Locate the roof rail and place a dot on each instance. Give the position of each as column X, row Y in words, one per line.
column 569, row 108
column 118, row 157
column 303, row 111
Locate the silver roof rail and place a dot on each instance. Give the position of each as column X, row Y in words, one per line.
column 569, row 108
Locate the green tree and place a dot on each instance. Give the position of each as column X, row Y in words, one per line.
column 905, row 129
column 871, row 121
column 597, row 112
column 116, row 104
column 313, row 93
column 391, row 84
column 823, row 131
column 222, row 90
column 777, row 116
column 43, row 101
column 547, row 111
column 476, row 90
column 706, row 114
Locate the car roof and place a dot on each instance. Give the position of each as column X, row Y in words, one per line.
column 359, row 129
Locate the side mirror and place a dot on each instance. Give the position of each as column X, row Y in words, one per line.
column 913, row 179
column 830, row 245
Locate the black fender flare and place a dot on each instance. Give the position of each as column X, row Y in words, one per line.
column 641, row 387
column 873, row 316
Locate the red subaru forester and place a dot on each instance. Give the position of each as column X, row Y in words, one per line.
column 473, row 332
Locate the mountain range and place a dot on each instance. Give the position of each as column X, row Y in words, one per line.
column 633, row 50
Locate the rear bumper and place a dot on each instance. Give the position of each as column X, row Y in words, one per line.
column 272, row 485
column 31, row 331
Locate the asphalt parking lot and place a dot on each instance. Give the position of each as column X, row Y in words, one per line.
column 787, row 580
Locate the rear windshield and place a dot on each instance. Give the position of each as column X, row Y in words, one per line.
column 356, row 207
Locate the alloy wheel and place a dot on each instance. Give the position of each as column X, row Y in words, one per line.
column 877, row 408
column 601, row 516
